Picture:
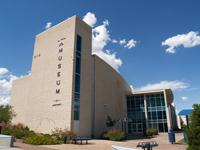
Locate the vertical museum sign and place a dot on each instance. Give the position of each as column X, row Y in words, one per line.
column 58, row 83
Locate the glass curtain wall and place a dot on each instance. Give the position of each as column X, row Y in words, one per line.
column 77, row 78
column 156, row 112
column 136, row 114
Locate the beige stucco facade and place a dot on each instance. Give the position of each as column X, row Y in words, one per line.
column 110, row 91
column 36, row 98
column 44, row 100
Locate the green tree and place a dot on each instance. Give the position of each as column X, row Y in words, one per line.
column 6, row 114
column 193, row 132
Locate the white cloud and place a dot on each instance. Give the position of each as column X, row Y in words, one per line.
column 3, row 71
column 114, row 41
column 174, row 85
column 190, row 39
column 184, row 98
column 48, row 25
column 5, row 87
column 90, row 19
column 130, row 44
column 132, row 88
column 100, row 38
column 125, row 43
column 110, row 58
column 122, row 42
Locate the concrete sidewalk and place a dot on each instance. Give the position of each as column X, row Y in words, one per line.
column 24, row 146
column 9, row 148
column 162, row 140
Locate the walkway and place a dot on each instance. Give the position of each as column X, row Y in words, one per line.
column 162, row 140
column 23, row 146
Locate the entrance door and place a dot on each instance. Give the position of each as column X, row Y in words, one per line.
column 135, row 128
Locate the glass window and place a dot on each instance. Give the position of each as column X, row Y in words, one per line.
column 77, row 96
column 139, row 127
column 154, row 116
column 148, row 103
column 78, row 54
column 149, row 116
column 158, row 102
column 162, row 102
column 160, row 115
column 161, row 127
column 155, row 126
column 153, row 102
column 135, row 107
column 78, row 43
column 164, row 115
column 129, row 128
column 137, row 103
column 76, row 115
column 77, row 83
column 77, row 78
column 134, row 127
column 78, row 65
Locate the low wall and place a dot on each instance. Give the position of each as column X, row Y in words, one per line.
column 6, row 140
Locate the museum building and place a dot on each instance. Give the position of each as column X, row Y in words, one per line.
column 69, row 88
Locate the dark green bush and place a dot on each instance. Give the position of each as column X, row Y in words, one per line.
column 115, row 135
column 193, row 135
column 18, row 131
column 41, row 139
column 193, row 131
column 151, row 131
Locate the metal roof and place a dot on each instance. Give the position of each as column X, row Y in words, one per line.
column 185, row 112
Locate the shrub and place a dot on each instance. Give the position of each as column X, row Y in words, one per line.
column 60, row 134
column 18, row 131
column 115, row 135
column 193, row 135
column 151, row 131
column 41, row 139
column 193, row 131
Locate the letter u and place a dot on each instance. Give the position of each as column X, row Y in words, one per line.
column 59, row 58
column 58, row 82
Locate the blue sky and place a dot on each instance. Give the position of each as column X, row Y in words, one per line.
column 153, row 44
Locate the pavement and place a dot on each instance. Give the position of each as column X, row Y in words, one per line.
column 161, row 139
column 9, row 148
column 23, row 146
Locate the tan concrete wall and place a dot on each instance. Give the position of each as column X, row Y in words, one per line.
column 19, row 99
column 39, row 91
column 110, row 95
column 102, row 92
column 85, row 32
